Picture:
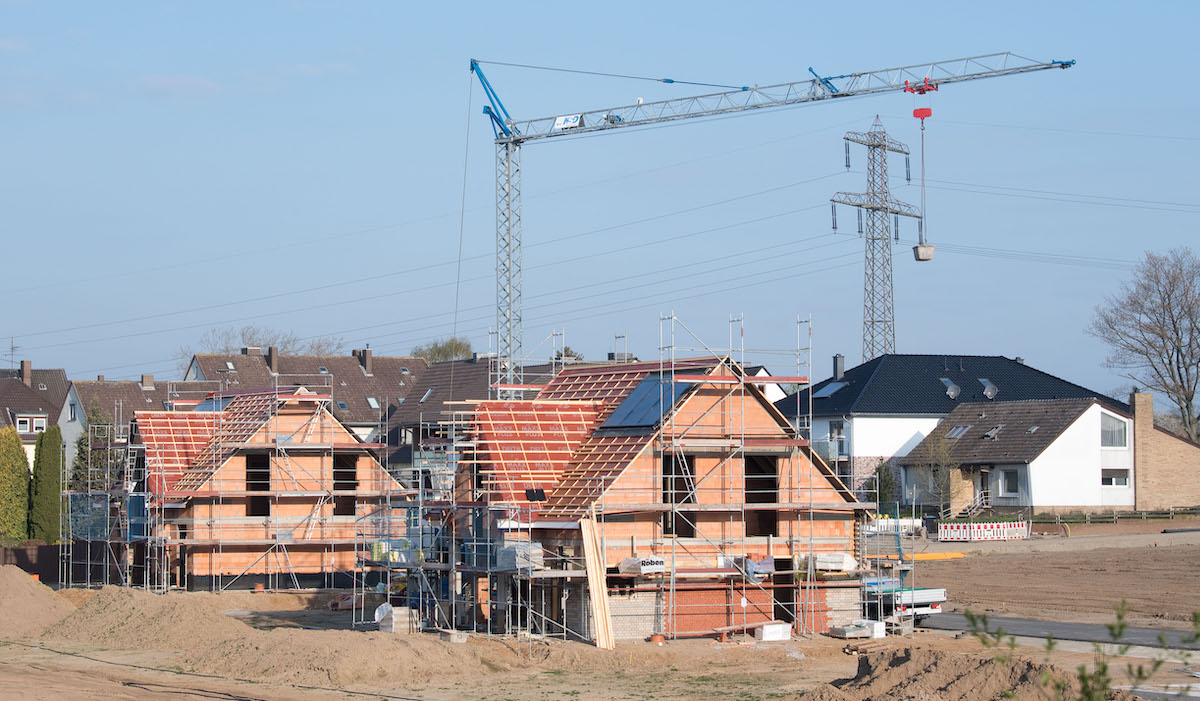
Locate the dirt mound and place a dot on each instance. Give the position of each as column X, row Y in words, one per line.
column 915, row 674
column 120, row 617
column 26, row 605
column 346, row 658
column 825, row 692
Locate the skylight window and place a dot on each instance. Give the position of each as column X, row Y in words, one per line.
column 229, row 365
column 323, row 370
column 990, row 390
column 42, row 385
column 373, row 402
column 1031, row 429
column 428, row 392
column 829, row 389
column 403, row 371
column 952, row 390
column 957, row 431
column 994, row 432
column 342, row 405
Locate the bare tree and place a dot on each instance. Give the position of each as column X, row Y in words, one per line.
column 1152, row 329
column 229, row 339
column 443, row 350
column 937, row 465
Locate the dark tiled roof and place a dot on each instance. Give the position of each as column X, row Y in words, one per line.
column 391, row 378
column 248, row 370
column 119, row 399
column 1011, row 444
column 16, row 398
column 470, row 382
column 911, row 384
column 55, row 380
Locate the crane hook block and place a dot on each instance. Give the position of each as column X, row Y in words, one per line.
column 922, row 112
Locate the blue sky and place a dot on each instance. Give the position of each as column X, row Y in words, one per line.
column 171, row 167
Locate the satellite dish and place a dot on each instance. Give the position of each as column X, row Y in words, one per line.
column 952, row 391
column 990, row 391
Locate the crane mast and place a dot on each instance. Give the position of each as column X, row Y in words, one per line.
column 510, row 134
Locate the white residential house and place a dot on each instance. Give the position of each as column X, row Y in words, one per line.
column 881, row 410
column 1064, row 454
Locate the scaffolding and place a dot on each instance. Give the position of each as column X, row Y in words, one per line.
column 708, row 507
column 168, row 507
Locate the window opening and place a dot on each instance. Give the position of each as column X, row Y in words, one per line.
column 762, row 487
column 957, row 431
column 345, row 479
column 678, row 488
column 258, row 479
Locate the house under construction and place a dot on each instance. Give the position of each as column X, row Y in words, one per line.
column 242, row 488
column 674, row 487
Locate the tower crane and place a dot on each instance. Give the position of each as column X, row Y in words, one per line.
column 511, row 134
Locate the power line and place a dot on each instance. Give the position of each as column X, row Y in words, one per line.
column 1065, row 130
column 242, row 253
column 381, row 276
column 557, row 294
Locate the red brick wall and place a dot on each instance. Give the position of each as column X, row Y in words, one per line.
column 699, row 611
column 1166, row 469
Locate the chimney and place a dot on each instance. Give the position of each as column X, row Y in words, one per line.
column 252, row 350
column 27, row 373
column 364, row 359
column 839, row 366
column 147, row 382
column 99, row 378
column 273, row 359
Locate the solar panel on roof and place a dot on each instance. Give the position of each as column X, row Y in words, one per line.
column 213, row 404
column 643, row 406
column 828, row 390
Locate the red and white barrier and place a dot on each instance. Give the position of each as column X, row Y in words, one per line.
column 983, row 530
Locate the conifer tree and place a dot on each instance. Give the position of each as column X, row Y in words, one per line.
column 14, row 486
column 45, row 489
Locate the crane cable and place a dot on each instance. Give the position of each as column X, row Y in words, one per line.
column 462, row 217
column 613, row 75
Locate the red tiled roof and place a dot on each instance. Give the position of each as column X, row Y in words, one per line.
column 173, row 439
column 237, row 423
column 599, row 461
column 574, row 470
column 524, row 445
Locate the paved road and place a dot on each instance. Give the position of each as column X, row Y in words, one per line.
column 1086, row 632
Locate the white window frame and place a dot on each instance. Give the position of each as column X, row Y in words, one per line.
column 1124, row 423
column 1125, row 476
column 373, row 403
column 39, row 424
column 23, row 421
column 1003, row 486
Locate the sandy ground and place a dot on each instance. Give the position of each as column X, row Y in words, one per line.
column 687, row 670
column 1159, row 584
column 242, row 646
